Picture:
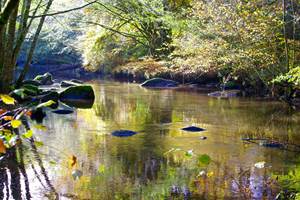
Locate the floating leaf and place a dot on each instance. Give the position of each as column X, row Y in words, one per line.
column 15, row 123
column 77, row 174
column 101, row 168
column 204, row 159
column 40, row 127
column 260, row 165
column 73, row 161
column 28, row 134
column 201, row 173
column 46, row 104
column 38, row 143
column 210, row 174
column 7, row 99
column 189, row 153
column 51, row 162
column 2, row 147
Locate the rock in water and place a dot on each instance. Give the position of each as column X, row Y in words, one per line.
column 225, row 94
column 76, row 81
column 31, row 82
column 123, row 133
column 193, row 129
column 68, row 84
column 159, row 83
column 45, row 79
column 81, row 96
column 271, row 144
column 63, row 112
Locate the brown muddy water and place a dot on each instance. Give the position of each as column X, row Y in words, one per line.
column 161, row 161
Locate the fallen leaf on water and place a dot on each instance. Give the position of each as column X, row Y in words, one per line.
column 46, row 104
column 28, row 134
column 38, row 143
column 189, row 153
column 73, row 161
column 7, row 99
column 40, row 127
column 2, row 147
column 210, row 174
column 101, row 168
column 77, row 174
column 260, row 165
column 15, row 123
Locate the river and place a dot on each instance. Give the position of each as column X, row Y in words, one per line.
column 161, row 161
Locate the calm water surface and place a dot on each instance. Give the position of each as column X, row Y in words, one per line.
column 144, row 166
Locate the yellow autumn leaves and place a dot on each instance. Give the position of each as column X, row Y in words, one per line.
column 7, row 99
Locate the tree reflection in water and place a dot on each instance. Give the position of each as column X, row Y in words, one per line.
column 13, row 175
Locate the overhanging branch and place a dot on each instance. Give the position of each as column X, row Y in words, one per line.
column 63, row 11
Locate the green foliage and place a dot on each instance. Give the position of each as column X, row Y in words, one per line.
column 291, row 78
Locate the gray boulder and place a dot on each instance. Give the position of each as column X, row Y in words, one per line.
column 160, row 83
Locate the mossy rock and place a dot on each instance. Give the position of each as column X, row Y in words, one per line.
column 31, row 82
column 81, row 96
column 45, row 79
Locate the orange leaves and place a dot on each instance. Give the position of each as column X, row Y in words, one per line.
column 2, row 111
column 8, row 118
column 2, row 147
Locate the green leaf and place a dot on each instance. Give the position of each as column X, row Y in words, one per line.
column 7, row 99
column 15, row 123
column 28, row 134
column 38, row 143
column 46, row 104
column 204, row 159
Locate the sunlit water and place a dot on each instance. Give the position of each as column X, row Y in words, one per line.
column 142, row 166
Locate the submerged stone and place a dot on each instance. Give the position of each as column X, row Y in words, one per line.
column 193, row 129
column 271, row 144
column 159, row 83
column 81, row 96
column 225, row 94
column 123, row 133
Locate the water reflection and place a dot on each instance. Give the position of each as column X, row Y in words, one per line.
column 138, row 167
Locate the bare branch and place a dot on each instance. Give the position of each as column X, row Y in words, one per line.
column 64, row 11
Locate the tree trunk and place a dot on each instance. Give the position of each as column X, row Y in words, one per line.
column 33, row 45
column 8, row 44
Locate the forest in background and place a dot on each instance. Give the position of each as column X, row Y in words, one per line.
column 251, row 45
